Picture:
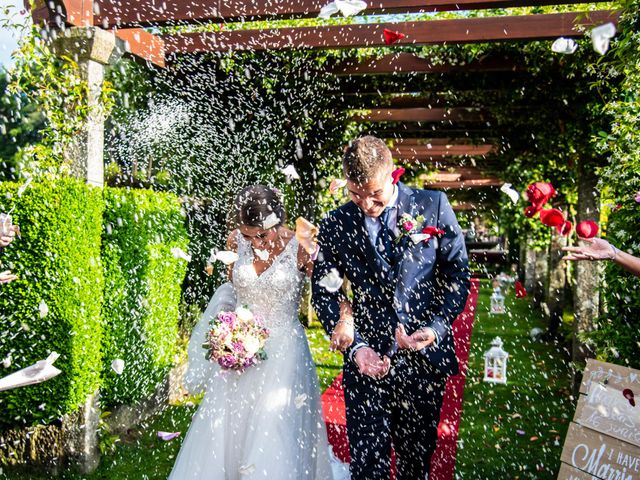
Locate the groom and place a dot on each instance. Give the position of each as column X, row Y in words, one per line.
column 407, row 291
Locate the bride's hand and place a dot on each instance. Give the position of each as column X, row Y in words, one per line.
column 342, row 336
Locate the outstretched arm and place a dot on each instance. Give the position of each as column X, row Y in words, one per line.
column 600, row 249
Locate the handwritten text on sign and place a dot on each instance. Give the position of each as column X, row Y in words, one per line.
column 600, row 455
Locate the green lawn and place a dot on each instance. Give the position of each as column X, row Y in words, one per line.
column 507, row 431
column 515, row 430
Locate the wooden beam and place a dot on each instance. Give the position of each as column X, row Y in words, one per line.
column 464, row 207
column 421, row 115
column 447, row 150
column 75, row 13
column 425, row 142
column 143, row 44
column 457, row 31
column 403, row 62
column 475, row 183
column 127, row 13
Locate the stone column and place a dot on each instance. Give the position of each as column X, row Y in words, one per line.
column 92, row 48
column 588, row 275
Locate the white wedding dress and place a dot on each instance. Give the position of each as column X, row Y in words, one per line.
column 265, row 422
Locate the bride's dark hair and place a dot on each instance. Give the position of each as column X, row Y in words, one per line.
column 255, row 203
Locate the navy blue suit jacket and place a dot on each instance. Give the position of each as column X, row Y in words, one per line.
column 428, row 287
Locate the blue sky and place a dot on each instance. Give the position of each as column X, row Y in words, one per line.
column 8, row 40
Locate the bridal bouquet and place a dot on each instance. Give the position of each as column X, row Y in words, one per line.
column 235, row 340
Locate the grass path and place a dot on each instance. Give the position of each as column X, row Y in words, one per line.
column 512, row 431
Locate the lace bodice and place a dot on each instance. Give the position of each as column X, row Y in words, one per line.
column 275, row 294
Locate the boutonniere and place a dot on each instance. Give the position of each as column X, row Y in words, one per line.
column 408, row 226
column 426, row 234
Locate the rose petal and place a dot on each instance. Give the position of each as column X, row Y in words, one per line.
column 601, row 35
column 521, row 292
column 227, row 257
column 397, row 173
column 331, row 281
column 247, row 469
column 179, row 253
column 290, row 172
column 300, row 400
column 565, row 228
column 349, row 8
column 587, row 229
column 167, row 436
column 511, row 193
column 209, row 269
column 391, row 37
column 337, row 185
column 262, row 254
column 43, row 309
column 552, row 217
column 419, row 237
column 118, row 366
column 637, row 197
column 328, row 10
column 271, row 221
column 563, row 45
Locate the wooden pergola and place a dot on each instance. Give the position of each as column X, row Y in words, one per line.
column 408, row 120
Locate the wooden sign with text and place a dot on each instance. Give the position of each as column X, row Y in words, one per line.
column 603, row 442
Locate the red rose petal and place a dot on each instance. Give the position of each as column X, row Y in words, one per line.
column 429, row 230
column 628, row 394
column 392, row 37
column 531, row 211
column 521, row 292
column 565, row 228
column 587, row 229
column 397, row 173
column 552, row 217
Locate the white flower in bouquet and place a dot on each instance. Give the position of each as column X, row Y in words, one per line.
column 251, row 344
column 244, row 314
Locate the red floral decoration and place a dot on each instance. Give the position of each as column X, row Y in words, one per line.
column 391, row 37
column 521, row 292
column 552, row 217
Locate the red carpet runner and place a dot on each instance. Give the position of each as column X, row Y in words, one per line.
column 444, row 459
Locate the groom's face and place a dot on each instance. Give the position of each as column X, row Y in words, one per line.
column 373, row 195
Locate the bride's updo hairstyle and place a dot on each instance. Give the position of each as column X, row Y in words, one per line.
column 255, row 204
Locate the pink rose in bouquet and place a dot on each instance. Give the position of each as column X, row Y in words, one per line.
column 236, row 340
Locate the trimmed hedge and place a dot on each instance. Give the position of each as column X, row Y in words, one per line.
column 142, row 290
column 58, row 262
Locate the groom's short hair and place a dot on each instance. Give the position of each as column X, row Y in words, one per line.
column 365, row 158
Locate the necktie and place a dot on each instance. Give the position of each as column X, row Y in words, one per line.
column 385, row 237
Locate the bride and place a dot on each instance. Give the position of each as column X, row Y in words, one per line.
column 265, row 422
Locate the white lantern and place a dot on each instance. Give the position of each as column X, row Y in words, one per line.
column 497, row 302
column 495, row 363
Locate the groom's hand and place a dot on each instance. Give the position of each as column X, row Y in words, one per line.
column 416, row 341
column 370, row 364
